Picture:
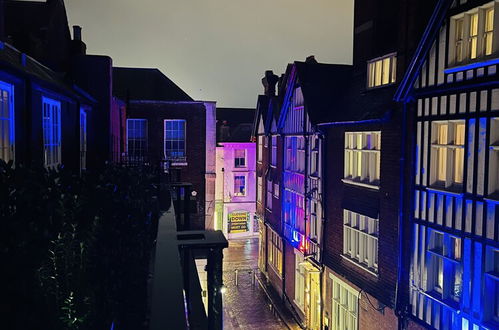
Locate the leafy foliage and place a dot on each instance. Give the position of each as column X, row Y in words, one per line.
column 76, row 248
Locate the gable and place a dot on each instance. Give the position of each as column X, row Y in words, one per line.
column 261, row 127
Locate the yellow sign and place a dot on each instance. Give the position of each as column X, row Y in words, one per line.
column 238, row 222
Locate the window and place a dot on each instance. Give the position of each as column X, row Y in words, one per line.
column 360, row 239
column 260, row 148
column 259, row 189
column 51, row 132
column 447, row 152
column 7, row 136
column 275, row 252
column 473, row 34
column 239, row 158
column 83, row 139
column 494, row 159
column 345, row 305
column 295, row 154
column 239, row 185
column 314, row 153
column 276, row 190
column 381, row 71
column 492, row 286
column 268, row 205
column 362, row 157
column 273, row 159
column 136, row 139
column 299, row 281
column 444, row 267
column 174, row 138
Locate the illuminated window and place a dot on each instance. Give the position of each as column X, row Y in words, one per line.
column 360, row 239
column 7, row 136
column 273, row 158
column 473, row 34
column 51, row 132
column 345, row 305
column 494, row 159
column 275, row 252
column 444, row 268
column 174, row 143
column 259, row 189
column 83, row 139
column 239, row 158
column 295, row 154
column 492, row 286
column 136, row 139
column 299, row 281
column 448, row 153
column 268, row 205
column 362, row 157
column 239, row 185
column 381, row 71
column 314, row 156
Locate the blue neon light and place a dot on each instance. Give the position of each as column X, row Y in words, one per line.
column 473, row 66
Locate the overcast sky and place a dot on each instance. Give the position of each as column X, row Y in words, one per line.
column 216, row 50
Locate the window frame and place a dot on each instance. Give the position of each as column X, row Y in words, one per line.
column 83, row 138
column 244, row 163
column 183, row 155
column 379, row 62
column 340, row 301
column 141, row 156
column 368, row 156
column 10, row 146
column 245, row 180
column 52, row 147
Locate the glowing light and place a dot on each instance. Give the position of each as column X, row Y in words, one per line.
column 223, row 289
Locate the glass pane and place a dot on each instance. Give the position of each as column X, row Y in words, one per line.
column 386, row 71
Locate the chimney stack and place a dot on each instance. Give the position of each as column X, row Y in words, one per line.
column 269, row 82
column 78, row 47
column 311, row 59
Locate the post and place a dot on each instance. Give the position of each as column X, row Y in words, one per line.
column 215, row 312
column 187, row 205
column 237, row 273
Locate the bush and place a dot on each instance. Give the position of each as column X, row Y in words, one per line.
column 76, row 248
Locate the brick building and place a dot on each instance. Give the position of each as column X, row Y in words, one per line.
column 165, row 125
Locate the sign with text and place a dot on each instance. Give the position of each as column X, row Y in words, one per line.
column 238, row 222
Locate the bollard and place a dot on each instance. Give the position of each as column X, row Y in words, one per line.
column 253, row 278
column 237, row 271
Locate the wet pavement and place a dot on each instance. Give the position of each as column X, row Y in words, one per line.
column 246, row 305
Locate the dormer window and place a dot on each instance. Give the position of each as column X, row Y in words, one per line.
column 381, row 71
column 472, row 34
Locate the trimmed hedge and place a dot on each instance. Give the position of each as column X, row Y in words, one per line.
column 76, row 249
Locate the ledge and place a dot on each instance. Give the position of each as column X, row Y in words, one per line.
column 473, row 65
column 444, row 191
column 360, row 265
column 360, row 184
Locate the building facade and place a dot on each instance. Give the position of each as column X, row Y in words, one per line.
column 453, row 91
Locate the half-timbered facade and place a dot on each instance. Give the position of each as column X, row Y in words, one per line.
column 453, row 89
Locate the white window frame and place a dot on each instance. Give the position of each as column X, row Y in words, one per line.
column 300, row 277
column 7, row 124
column 360, row 240
column 139, row 154
column 181, row 154
column 83, row 139
column 259, row 189
column 237, row 164
column 260, row 148
column 51, row 117
column 273, row 156
column 444, row 262
column 473, row 43
column 345, row 305
column 275, row 252
column 236, row 192
column 447, row 154
column 382, row 71
column 363, row 158
column 276, row 190
column 268, row 202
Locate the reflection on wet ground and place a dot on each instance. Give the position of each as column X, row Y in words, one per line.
column 246, row 305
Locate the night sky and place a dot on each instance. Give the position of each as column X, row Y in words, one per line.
column 216, row 49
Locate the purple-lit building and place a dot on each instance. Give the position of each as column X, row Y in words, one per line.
column 235, row 188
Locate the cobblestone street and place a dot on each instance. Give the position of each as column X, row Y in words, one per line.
column 246, row 305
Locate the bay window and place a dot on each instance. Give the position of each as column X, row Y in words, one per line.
column 51, row 132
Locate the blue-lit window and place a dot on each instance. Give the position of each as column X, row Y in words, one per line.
column 239, row 185
column 268, row 205
column 136, row 139
column 445, row 272
column 494, row 159
column 6, row 122
column 51, row 132
column 83, row 139
column 492, row 286
column 273, row 158
column 239, row 158
column 174, row 138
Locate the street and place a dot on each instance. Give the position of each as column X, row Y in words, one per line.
column 246, row 305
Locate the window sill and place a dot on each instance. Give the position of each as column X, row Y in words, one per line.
column 268, row 210
column 447, row 191
column 275, row 270
column 474, row 64
column 360, row 184
column 360, row 265
column 373, row 88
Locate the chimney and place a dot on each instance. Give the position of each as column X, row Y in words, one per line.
column 310, row 59
column 78, row 47
column 77, row 32
column 269, row 82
